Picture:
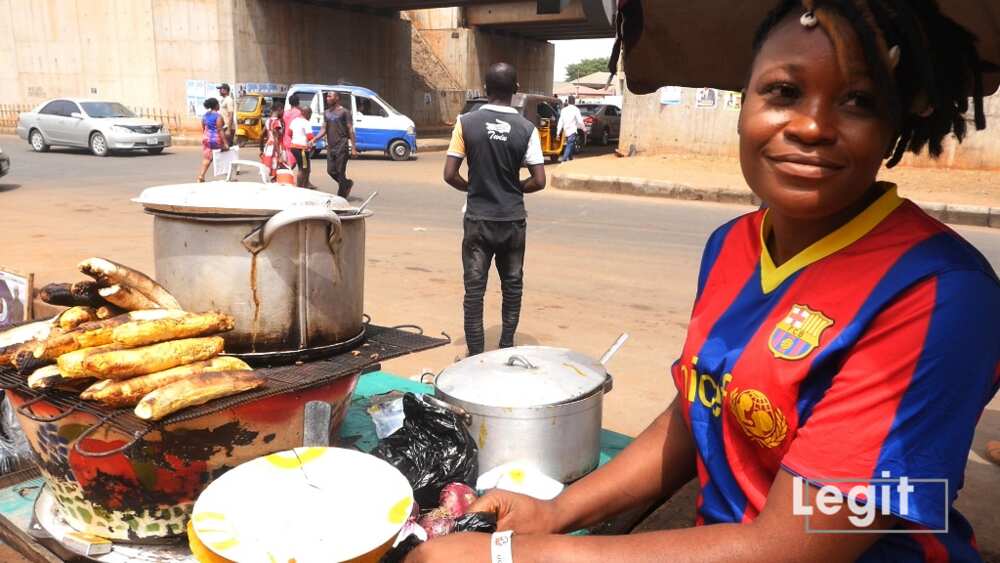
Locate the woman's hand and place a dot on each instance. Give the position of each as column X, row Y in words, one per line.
column 468, row 546
column 519, row 513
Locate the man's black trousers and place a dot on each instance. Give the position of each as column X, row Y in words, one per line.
column 483, row 241
column 336, row 167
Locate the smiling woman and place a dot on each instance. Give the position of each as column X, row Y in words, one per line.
column 839, row 335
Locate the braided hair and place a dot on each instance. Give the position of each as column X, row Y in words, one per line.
column 923, row 60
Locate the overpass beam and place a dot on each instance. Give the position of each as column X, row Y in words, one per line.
column 524, row 12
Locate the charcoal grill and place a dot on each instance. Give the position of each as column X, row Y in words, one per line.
column 141, row 477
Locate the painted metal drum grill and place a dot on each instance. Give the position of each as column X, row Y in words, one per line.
column 117, row 476
column 381, row 343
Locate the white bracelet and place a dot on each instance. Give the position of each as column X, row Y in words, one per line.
column 500, row 551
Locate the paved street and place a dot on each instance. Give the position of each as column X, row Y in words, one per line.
column 597, row 265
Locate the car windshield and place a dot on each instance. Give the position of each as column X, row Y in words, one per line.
column 248, row 104
column 589, row 110
column 106, row 109
column 388, row 105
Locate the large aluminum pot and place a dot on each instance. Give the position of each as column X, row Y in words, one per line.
column 531, row 404
column 293, row 279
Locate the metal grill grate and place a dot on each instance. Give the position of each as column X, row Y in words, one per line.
column 381, row 343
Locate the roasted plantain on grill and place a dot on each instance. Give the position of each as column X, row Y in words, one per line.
column 75, row 316
column 122, row 364
column 128, row 392
column 195, row 390
column 127, row 298
column 82, row 293
column 108, row 273
column 49, row 377
column 140, row 333
column 95, row 333
column 71, row 364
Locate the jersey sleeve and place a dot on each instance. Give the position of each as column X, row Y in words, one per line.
column 457, row 146
column 534, row 154
column 906, row 399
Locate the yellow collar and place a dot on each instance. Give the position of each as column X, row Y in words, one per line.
column 772, row 276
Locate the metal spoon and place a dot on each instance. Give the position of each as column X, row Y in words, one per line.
column 614, row 349
column 362, row 207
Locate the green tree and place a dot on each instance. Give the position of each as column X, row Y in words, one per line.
column 586, row 66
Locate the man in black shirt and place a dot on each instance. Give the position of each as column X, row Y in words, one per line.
column 338, row 128
column 497, row 140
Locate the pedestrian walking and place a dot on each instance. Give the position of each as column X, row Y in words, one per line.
column 570, row 123
column 227, row 108
column 301, row 146
column 290, row 114
column 498, row 142
column 338, row 129
column 212, row 135
column 274, row 154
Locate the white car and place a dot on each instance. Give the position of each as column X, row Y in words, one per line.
column 101, row 126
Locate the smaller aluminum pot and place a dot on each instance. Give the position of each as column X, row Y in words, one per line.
column 530, row 404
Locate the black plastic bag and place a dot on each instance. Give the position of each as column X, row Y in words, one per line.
column 432, row 449
column 485, row 522
column 15, row 453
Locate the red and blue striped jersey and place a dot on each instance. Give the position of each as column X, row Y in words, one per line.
column 874, row 350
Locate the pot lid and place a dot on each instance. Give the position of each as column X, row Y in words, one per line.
column 524, row 376
column 235, row 198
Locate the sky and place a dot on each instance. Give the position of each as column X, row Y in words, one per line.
column 569, row 52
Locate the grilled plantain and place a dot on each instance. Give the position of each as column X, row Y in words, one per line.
column 49, row 377
column 127, row 298
column 122, row 364
column 130, row 391
column 108, row 311
column 95, row 387
column 95, row 333
column 75, row 316
column 109, row 273
column 195, row 390
column 82, row 293
column 140, row 333
column 71, row 364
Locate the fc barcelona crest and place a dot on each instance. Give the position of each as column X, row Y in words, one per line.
column 798, row 333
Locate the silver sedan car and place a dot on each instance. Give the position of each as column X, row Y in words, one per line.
column 101, row 126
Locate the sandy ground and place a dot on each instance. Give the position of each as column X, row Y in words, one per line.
column 972, row 187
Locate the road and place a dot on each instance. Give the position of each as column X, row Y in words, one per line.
column 597, row 265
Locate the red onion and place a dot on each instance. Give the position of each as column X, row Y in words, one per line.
column 456, row 498
column 437, row 523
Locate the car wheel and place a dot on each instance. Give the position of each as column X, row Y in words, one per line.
column 605, row 137
column 99, row 145
column 241, row 141
column 399, row 150
column 37, row 141
column 156, row 150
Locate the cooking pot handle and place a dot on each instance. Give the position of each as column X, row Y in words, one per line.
column 515, row 360
column 259, row 238
column 461, row 413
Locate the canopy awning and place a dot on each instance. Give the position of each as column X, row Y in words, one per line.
column 707, row 42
